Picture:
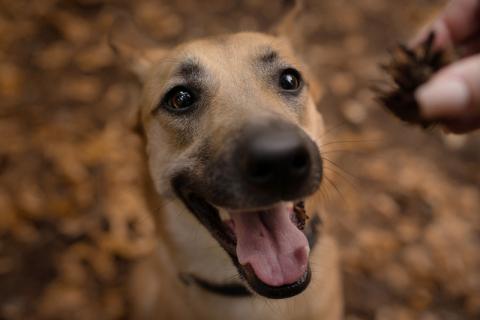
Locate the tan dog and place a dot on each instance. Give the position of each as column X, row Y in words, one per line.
column 233, row 135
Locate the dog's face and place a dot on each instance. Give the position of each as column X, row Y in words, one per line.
column 232, row 132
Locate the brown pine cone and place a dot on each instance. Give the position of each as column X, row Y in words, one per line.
column 408, row 69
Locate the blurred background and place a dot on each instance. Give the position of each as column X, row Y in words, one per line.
column 403, row 203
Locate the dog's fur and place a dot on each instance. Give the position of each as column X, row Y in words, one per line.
column 235, row 70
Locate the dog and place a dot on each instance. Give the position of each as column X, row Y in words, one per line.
column 233, row 140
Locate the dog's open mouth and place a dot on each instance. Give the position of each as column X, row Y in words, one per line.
column 267, row 245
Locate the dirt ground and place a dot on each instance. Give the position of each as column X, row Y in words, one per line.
column 403, row 203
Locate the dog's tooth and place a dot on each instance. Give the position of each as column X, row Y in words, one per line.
column 224, row 215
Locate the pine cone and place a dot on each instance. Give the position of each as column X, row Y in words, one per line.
column 408, row 69
column 300, row 214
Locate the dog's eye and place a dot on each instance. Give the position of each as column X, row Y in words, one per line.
column 179, row 99
column 290, row 80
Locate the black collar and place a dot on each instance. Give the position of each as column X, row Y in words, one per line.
column 238, row 290
column 233, row 290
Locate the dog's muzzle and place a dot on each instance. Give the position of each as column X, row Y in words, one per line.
column 260, row 176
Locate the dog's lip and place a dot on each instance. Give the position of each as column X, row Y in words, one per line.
column 280, row 292
column 209, row 216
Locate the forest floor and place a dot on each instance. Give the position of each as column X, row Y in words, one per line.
column 404, row 204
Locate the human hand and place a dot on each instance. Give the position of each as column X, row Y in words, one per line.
column 454, row 93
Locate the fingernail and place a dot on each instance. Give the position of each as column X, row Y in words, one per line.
column 443, row 97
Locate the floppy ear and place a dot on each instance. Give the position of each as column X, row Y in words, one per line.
column 288, row 26
column 134, row 49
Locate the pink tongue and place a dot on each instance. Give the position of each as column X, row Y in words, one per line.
column 272, row 245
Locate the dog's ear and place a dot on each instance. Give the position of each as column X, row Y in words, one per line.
column 134, row 49
column 288, row 26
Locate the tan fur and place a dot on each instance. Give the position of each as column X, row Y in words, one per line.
column 184, row 244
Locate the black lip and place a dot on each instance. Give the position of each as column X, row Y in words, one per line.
column 282, row 292
column 210, row 218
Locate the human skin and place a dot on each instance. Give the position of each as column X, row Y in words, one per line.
column 454, row 93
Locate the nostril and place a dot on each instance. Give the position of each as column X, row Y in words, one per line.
column 300, row 162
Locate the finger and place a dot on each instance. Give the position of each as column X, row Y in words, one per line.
column 441, row 31
column 453, row 92
column 458, row 22
column 461, row 18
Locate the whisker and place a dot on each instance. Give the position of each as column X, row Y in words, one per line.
column 349, row 141
column 351, row 179
column 335, row 187
column 349, row 151
column 333, row 129
column 340, row 168
column 344, row 177
column 325, row 193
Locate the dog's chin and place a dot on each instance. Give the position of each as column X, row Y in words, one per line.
column 267, row 245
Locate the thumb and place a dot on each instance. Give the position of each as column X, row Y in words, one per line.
column 452, row 93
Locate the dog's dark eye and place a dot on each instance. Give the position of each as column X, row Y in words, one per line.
column 179, row 99
column 290, row 80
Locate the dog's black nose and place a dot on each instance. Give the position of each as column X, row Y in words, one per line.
column 278, row 159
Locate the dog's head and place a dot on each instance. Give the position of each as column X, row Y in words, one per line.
column 232, row 130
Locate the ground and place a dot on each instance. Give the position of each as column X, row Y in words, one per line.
column 403, row 203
